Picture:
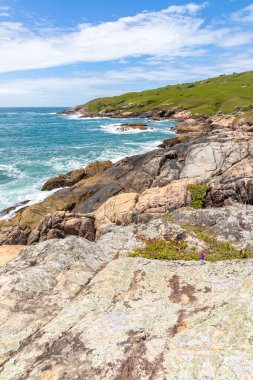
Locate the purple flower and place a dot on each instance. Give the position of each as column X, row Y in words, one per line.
column 150, row 240
column 203, row 256
column 137, row 237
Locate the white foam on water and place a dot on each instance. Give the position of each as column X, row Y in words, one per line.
column 115, row 129
column 33, row 194
column 12, row 171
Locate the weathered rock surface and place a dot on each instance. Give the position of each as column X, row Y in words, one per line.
column 232, row 223
column 75, row 176
column 61, row 224
column 133, row 207
column 67, row 312
column 9, row 252
column 224, row 194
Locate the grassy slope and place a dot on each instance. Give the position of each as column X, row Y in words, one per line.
column 222, row 94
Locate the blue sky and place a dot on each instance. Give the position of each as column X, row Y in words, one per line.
column 61, row 52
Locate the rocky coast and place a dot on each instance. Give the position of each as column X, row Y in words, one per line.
column 79, row 300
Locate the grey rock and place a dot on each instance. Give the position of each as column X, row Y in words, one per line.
column 135, row 319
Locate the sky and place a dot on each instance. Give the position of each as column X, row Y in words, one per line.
column 63, row 53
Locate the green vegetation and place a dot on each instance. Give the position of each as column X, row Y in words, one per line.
column 198, row 194
column 159, row 249
column 226, row 94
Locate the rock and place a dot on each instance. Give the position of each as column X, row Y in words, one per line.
column 211, row 158
column 69, row 313
column 9, row 252
column 120, row 241
column 191, row 125
column 182, row 138
column 241, row 191
column 133, row 126
column 224, row 121
column 61, row 224
column 231, row 223
column 12, row 208
column 12, row 234
column 75, row 176
column 77, row 110
column 131, row 207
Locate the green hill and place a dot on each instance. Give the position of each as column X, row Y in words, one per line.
column 226, row 94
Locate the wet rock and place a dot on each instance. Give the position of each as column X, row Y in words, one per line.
column 8, row 210
column 132, row 126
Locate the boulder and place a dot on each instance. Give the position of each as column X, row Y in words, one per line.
column 224, row 194
column 68, row 312
column 132, row 207
column 61, row 224
column 75, row 176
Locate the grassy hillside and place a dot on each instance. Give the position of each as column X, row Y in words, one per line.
column 226, row 94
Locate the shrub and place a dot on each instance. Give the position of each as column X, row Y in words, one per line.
column 159, row 249
column 198, row 194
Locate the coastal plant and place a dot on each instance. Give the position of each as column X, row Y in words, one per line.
column 215, row 250
column 198, row 195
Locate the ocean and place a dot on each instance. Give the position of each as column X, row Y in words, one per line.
column 36, row 144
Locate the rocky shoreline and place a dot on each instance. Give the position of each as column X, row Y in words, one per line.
column 212, row 150
column 71, row 294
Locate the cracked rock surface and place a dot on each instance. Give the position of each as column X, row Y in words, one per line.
column 69, row 311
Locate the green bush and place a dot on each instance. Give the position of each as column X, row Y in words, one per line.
column 198, row 194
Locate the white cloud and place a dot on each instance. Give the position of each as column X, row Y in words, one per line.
column 78, row 89
column 244, row 15
column 4, row 11
column 170, row 32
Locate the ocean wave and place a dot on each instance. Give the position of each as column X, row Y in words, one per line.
column 11, row 170
column 32, row 193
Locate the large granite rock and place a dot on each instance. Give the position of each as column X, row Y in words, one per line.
column 67, row 312
column 61, row 224
column 133, row 207
column 75, row 176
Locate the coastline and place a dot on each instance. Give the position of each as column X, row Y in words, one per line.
column 189, row 127
column 25, row 166
column 134, row 174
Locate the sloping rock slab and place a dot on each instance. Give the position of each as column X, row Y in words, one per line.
column 232, row 223
column 137, row 319
column 38, row 284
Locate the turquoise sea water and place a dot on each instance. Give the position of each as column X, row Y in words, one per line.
column 36, row 144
